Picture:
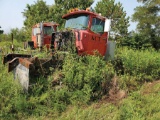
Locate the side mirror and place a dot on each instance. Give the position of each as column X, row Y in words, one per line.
column 107, row 25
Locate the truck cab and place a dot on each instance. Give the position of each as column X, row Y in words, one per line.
column 42, row 33
column 89, row 31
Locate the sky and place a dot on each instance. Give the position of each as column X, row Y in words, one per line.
column 11, row 12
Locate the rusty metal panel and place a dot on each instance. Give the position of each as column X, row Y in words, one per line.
column 21, row 73
column 25, row 62
column 10, row 57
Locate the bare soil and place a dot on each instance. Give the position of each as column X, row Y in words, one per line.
column 149, row 87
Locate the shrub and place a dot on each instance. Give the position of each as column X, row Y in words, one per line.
column 137, row 41
column 137, row 66
column 85, row 76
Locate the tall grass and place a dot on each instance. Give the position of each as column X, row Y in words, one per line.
column 10, row 93
column 137, row 66
column 140, row 105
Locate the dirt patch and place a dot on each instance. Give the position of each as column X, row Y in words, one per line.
column 149, row 87
column 115, row 94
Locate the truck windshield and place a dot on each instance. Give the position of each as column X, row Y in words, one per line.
column 77, row 22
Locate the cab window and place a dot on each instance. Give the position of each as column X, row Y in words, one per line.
column 97, row 25
column 35, row 31
column 48, row 30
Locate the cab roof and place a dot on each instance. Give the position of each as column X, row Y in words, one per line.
column 46, row 24
column 82, row 12
column 50, row 24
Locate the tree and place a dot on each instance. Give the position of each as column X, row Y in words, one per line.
column 148, row 18
column 19, row 34
column 35, row 13
column 114, row 11
column 61, row 7
column 39, row 11
column 136, row 41
column 1, row 31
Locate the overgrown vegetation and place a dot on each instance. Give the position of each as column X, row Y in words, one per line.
column 82, row 82
column 81, row 89
column 84, row 79
column 137, row 66
column 135, row 107
column 147, row 15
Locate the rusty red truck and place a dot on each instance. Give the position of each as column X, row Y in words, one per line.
column 89, row 31
column 41, row 35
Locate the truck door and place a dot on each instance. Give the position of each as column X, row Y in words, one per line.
column 35, row 36
column 98, row 38
column 47, row 30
